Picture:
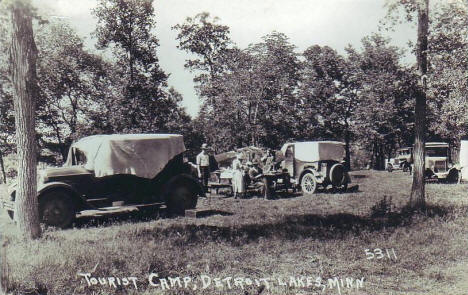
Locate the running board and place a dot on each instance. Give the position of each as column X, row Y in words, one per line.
column 118, row 209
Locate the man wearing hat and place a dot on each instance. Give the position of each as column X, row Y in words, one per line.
column 203, row 166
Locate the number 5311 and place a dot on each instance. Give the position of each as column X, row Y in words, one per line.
column 378, row 253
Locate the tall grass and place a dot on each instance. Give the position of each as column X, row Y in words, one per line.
column 322, row 236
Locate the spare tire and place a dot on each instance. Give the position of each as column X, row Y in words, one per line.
column 337, row 175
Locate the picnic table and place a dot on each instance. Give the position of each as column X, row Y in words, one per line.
column 225, row 175
column 269, row 178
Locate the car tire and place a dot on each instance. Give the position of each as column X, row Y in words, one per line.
column 389, row 168
column 56, row 208
column 308, row 184
column 453, row 175
column 405, row 167
column 181, row 194
column 337, row 175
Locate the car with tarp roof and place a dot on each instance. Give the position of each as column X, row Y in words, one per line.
column 108, row 172
column 315, row 164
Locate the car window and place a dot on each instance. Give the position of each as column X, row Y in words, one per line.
column 436, row 152
column 289, row 152
column 80, row 157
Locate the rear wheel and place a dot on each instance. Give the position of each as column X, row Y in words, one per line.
column 56, row 208
column 308, row 184
column 182, row 194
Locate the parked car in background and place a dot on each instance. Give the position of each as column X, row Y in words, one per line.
column 463, row 160
column 438, row 164
column 402, row 160
column 315, row 164
column 105, row 172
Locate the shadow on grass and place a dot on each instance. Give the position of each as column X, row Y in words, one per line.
column 290, row 227
column 138, row 216
column 295, row 227
column 116, row 218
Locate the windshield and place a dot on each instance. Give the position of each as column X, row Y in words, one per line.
column 75, row 157
column 403, row 152
column 436, row 151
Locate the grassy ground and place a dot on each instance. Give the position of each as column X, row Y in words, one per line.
column 303, row 243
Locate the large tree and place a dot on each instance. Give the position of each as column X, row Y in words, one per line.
column 7, row 118
column 69, row 86
column 23, row 54
column 125, row 27
column 417, row 198
column 421, row 9
column 383, row 112
column 328, row 89
column 447, row 81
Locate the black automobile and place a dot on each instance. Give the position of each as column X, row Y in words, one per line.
column 107, row 172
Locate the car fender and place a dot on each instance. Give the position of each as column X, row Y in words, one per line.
column 318, row 177
column 46, row 187
column 193, row 180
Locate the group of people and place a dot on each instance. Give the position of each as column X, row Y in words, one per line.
column 244, row 174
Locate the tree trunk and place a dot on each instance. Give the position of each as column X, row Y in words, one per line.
column 23, row 55
column 2, row 166
column 417, row 198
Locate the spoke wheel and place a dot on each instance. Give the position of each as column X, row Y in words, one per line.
column 56, row 209
column 308, row 184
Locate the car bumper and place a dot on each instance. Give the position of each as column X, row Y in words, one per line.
column 441, row 175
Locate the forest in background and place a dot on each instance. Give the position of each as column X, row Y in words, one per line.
column 263, row 95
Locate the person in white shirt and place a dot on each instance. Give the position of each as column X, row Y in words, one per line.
column 238, row 183
column 203, row 166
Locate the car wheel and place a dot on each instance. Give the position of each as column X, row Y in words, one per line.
column 452, row 177
column 308, row 184
column 405, row 167
column 181, row 195
column 337, row 175
column 389, row 168
column 56, row 208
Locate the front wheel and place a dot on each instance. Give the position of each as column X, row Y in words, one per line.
column 453, row 176
column 182, row 194
column 56, row 208
column 308, row 184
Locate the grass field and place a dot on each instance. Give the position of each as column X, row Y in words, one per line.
column 294, row 245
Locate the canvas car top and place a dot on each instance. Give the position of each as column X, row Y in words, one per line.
column 143, row 155
column 312, row 151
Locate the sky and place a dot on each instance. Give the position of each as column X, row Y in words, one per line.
column 335, row 23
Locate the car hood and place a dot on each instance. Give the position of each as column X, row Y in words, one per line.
column 65, row 171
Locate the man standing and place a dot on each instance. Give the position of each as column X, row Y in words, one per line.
column 203, row 166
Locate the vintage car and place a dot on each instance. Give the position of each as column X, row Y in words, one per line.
column 402, row 160
column 315, row 163
column 105, row 172
column 463, row 160
column 437, row 162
